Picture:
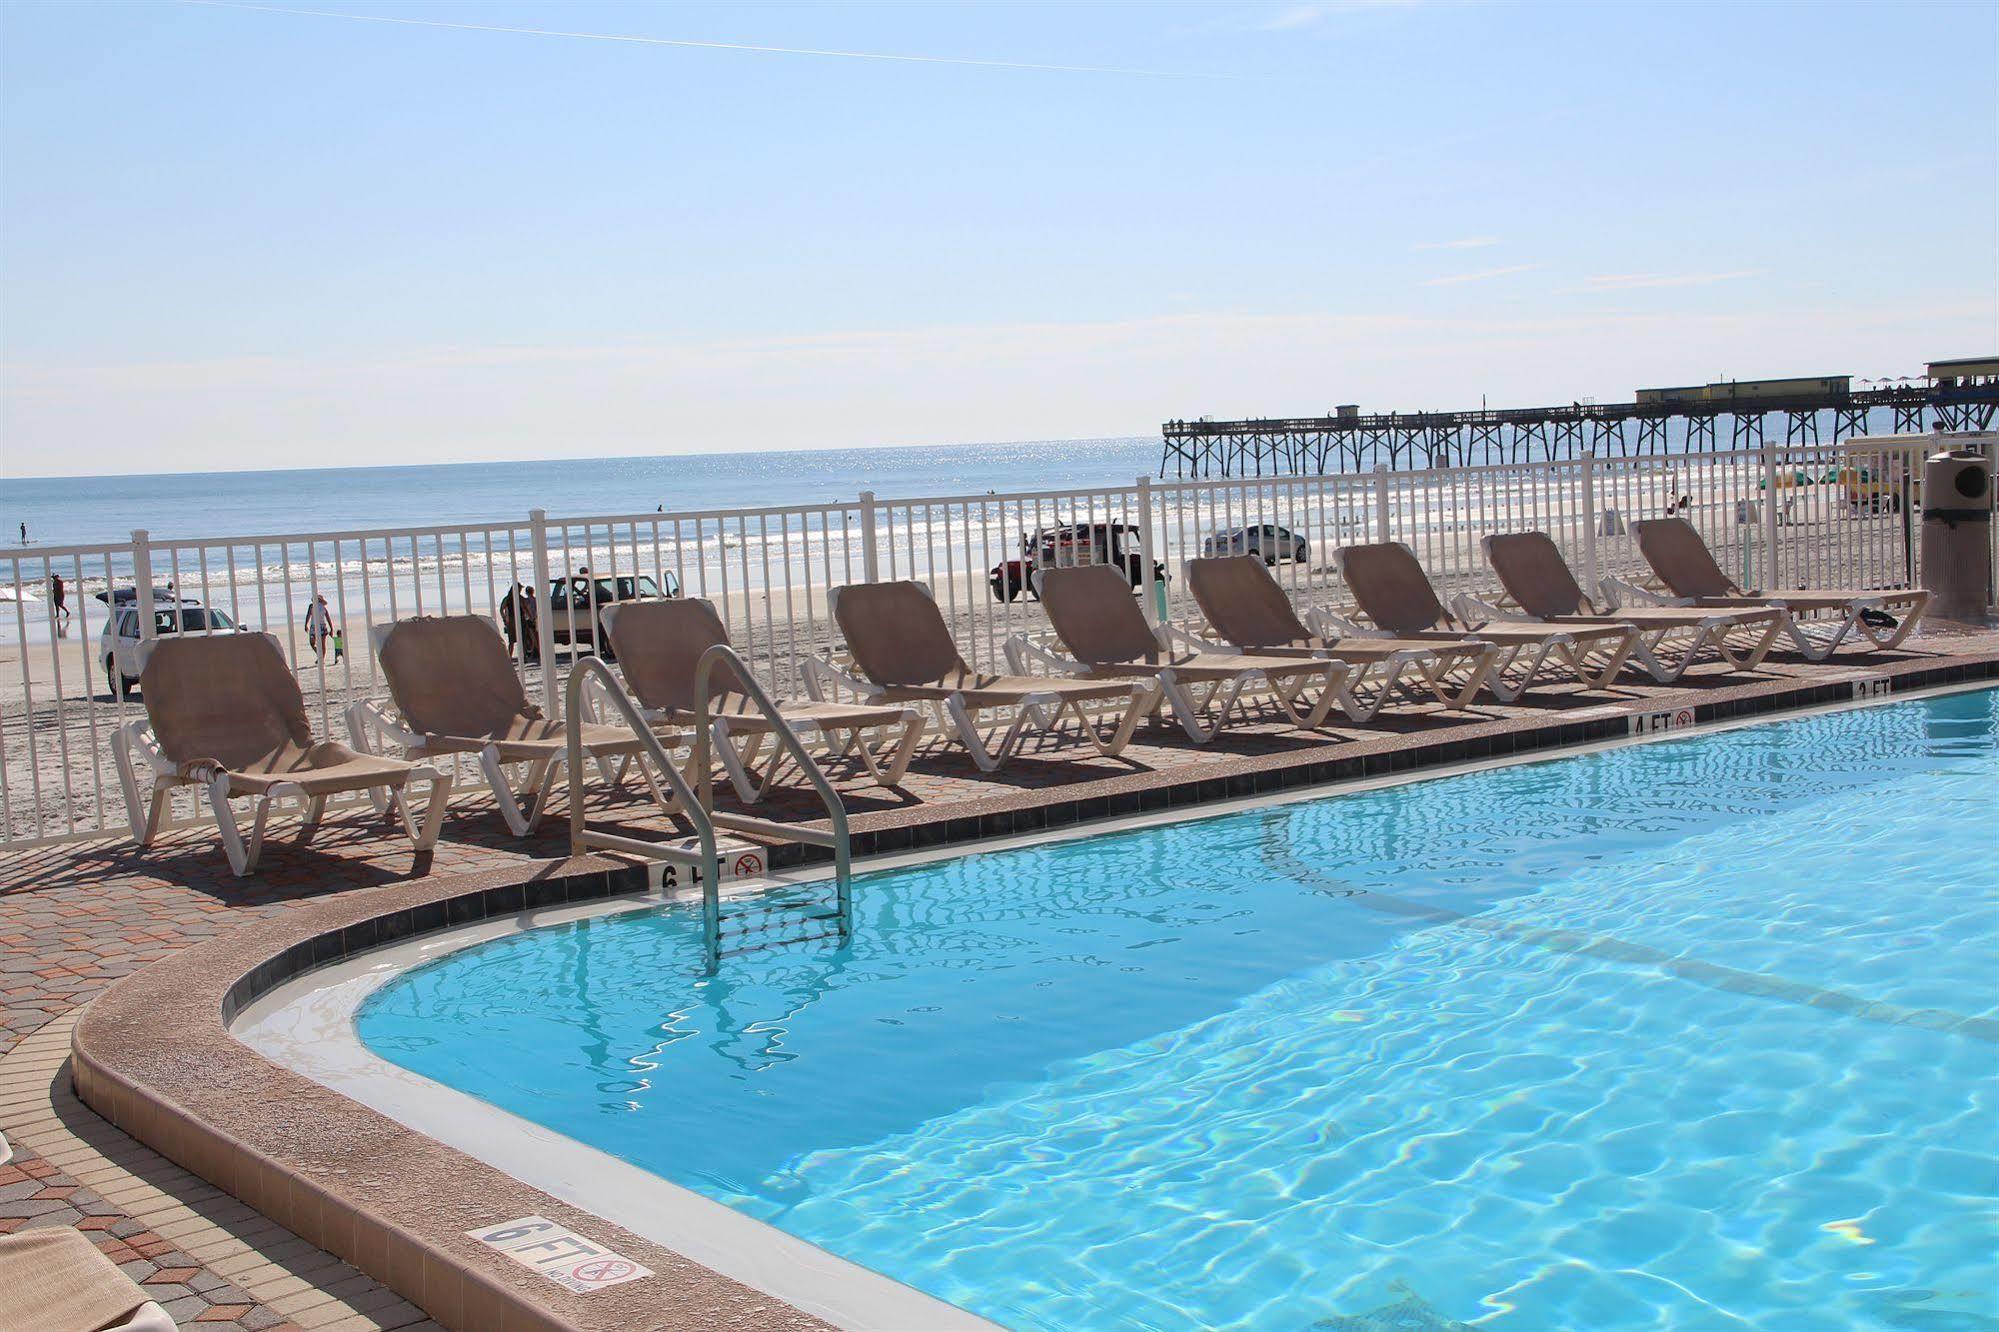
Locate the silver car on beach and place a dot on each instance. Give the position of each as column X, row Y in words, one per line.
column 1268, row 540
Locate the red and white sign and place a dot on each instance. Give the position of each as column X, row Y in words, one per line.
column 559, row 1253
column 1669, row 719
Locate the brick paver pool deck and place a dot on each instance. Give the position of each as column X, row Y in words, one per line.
column 76, row 918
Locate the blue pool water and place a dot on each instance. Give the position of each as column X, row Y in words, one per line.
column 1698, row 1034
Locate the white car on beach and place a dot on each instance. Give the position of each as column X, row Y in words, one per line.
column 119, row 645
column 1269, row 541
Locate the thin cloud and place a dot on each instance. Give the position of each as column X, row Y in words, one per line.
column 1480, row 276
column 708, row 46
column 1468, row 243
column 1634, row 281
column 1306, row 15
column 1297, row 16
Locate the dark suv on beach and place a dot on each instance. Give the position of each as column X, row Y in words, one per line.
column 1071, row 544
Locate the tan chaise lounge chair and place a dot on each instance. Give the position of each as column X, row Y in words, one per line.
column 224, row 712
column 1670, row 638
column 53, row 1279
column 456, row 692
column 1095, row 617
column 1817, row 620
column 905, row 654
column 1247, row 610
column 1388, row 582
column 660, row 645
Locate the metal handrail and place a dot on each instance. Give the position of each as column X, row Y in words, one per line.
column 581, row 839
column 836, row 810
column 698, row 800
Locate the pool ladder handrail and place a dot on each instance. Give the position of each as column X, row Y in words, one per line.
column 698, row 802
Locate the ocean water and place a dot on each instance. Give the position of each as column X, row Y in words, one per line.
column 1698, row 1034
column 76, row 510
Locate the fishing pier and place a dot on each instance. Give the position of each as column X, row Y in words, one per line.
column 1953, row 395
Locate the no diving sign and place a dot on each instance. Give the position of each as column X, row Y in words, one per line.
column 1671, row 719
column 559, row 1253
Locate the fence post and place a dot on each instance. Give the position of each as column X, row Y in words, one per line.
column 1592, row 569
column 551, row 697
column 1912, row 468
column 142, row 582
column 1769, row 518
column 1155, row 610
column 1381, row 501
column 871, row 570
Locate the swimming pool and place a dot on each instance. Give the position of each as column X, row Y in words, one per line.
column 1699, row 1033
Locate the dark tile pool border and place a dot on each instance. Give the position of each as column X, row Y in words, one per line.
column 153, row 1053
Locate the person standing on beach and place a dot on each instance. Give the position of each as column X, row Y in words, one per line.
column 319, row 626
column 59, row 603
column 510, row 615
column 530, row 627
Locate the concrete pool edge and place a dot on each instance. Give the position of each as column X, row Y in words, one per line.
column 157, row 1060
column 154, row 1055
column 306, row 1025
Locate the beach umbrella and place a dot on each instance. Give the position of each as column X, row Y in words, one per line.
column 17, row 594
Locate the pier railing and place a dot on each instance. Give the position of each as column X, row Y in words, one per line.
column 1777, row 516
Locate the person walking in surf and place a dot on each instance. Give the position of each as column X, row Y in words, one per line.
column 59, row 603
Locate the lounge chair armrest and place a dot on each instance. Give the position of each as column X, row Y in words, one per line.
column 1174, row 635
column 1330, row 624
column 600, row 710
column 133, row 744
column 138, row 740
column 1621, row 592
column 1473, row 612
column 369, row 723
column 1023, row 654
column 597, row 705
column 823, row 682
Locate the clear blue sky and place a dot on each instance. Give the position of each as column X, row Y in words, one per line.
column 234, row 237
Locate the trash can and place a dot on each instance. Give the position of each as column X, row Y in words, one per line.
column 1957, row 535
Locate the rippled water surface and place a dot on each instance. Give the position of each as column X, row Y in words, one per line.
column 1698, row 1034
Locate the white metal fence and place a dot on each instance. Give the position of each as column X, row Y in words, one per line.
column 1777, row 516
